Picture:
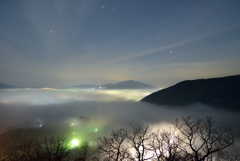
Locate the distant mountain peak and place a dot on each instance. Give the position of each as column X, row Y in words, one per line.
column 129, row 81
column 128, row 84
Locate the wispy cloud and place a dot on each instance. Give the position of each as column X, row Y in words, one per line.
column 176, row 44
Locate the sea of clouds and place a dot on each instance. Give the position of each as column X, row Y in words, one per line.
column 105, row 110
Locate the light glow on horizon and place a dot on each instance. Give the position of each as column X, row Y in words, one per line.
column 55, row 96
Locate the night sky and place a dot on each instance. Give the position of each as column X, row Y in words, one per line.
column 159, row 42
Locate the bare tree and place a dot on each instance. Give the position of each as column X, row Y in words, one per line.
column 113, row 147
column 165, row 144
column 48, row 149
column 82, row 152
column 139, row 137
column 55, row 148
column 203, row 138
column 30, row 149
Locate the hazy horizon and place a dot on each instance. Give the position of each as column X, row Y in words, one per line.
column 81, row 83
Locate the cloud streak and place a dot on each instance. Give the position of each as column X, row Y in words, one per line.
column 177, row 44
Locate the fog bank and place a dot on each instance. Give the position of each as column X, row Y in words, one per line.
column 101, row 116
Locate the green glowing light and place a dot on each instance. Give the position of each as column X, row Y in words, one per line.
column 73, row 133
column 96, row 130
column 75, row 142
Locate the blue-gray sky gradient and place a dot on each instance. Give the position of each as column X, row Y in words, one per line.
column 60, row 43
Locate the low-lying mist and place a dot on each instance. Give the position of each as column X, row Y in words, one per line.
column 84, row 113
column 47, row 96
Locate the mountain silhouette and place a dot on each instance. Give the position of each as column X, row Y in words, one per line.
column 6, row 86
column 218, row 92
column 130, row 84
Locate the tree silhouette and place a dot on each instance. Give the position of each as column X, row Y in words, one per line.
column 139, row 137
column 165, row 144
column 113, row 147
column 202, row 138
column 82, row 152
column 55, row 148
column 191, row 139
column 49, row 149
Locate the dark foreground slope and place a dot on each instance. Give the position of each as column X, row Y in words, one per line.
column 220, row 92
